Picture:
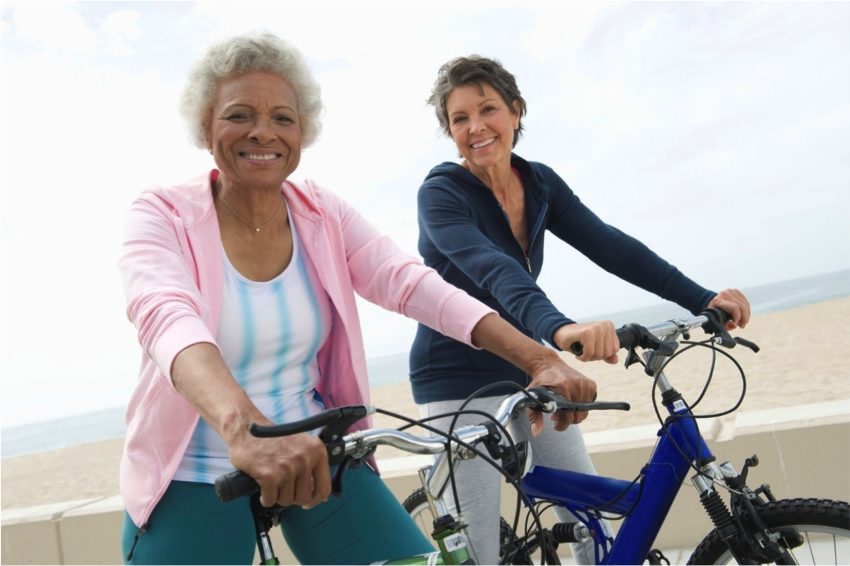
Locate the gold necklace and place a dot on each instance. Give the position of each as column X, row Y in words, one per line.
column 256, row 229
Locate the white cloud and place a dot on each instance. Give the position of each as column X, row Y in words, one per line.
column 608, row 103
column 54, row 25
column 560, row 26
column 119, row 49
column 121, row 25
column 646, row 31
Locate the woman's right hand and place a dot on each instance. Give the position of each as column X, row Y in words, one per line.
column 598, row 339
column 291, row 470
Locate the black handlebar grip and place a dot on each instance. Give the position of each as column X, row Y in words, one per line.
column 627, row 336
column 234, row 485
column 723, row 316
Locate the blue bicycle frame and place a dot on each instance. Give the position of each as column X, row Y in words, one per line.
column 647, row 504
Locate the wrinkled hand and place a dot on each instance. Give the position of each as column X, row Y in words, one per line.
column 599, row 340
column 570, row 385
column 291, row 470
column 736, row 304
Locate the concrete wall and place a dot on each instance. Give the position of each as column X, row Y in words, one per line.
column 803, row 452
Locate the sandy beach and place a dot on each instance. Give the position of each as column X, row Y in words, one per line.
column 802, row 360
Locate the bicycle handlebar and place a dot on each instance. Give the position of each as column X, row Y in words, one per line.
column 360, row 443
column 630, row 336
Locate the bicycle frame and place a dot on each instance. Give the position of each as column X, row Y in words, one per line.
column 647, row 506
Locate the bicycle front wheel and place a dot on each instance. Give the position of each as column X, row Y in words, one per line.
column 417, row 506
column 823, row 526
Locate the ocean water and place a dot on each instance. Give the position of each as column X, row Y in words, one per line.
column 109, row 423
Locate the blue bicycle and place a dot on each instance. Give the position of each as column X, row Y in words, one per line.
column 754, row 529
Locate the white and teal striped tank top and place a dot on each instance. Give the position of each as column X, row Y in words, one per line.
column 269, row 334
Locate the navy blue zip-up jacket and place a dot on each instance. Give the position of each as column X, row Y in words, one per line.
column 465, row 235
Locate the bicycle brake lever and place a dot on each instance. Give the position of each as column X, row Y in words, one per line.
column 631, row 358
column 715, row 325
column 746, row 343
column 335, row 421
column 657, row 346
column 546, row 396
column 332, row 434
column 598, row 406
column 339, row 474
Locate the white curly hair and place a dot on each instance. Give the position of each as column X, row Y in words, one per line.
column 234, row 56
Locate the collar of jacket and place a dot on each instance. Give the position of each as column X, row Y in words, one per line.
column 531, row 180
column 195, row 202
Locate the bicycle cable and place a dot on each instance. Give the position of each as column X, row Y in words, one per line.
column 446, row 434
column 521, row 494
column 451, row 471
column 706, row 344
column 596, row 510
column 468, row 400
column 708, row 380
column 460, row 412
column 514, row 483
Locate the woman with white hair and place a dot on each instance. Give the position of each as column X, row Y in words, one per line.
column 241, row 284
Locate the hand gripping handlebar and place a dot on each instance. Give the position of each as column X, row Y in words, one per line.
column 336, row 421
column 631, row 336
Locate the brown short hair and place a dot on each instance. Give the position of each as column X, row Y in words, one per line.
column 475, row 70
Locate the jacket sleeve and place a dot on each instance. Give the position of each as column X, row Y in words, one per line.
column 160, row 283
column 384, row 275
column 618, row 253
column 449, row 224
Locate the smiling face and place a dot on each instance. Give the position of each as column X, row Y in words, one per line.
column 254, row 134
column 482, row 125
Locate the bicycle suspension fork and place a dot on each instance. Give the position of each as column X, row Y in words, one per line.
column 711, row 500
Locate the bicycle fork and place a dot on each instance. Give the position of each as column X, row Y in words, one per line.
column 447, row 530
column 264, row 519
column 746, row 544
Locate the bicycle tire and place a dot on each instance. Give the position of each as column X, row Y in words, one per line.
column 827, row 519
column 417, row 507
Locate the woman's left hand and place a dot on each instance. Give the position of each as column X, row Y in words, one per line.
column 736, row 304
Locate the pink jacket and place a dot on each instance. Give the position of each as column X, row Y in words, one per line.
column 172, row 271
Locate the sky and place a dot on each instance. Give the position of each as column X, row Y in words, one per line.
column 717, row 133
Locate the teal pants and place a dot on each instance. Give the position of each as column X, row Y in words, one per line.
column 191, row 526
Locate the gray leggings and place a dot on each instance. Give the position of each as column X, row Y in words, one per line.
column 479, row 485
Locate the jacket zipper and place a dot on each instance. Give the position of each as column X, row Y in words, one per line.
column 538, row 223
column 533, row 235
column 144, row 528
column 525, row 255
